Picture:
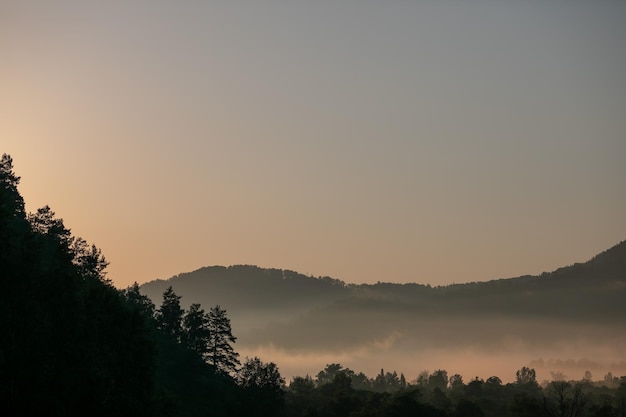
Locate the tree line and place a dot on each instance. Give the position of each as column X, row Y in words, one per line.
column 206, row 339
column 338, row 391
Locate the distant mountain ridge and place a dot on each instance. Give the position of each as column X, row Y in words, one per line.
column 573, row 306
column 251, row 287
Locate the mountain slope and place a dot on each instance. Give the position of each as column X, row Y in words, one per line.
column 569, row 291
column 577, row 309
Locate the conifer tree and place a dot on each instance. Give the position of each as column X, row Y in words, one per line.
column 140, row 301
column 11, row 202
column 170, row 315
column 196, row 333
column 89, row 260
column 220, row 351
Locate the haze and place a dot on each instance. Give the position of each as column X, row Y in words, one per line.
column 569, row 321
column 432, row 142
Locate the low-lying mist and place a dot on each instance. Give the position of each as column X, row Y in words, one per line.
column 561, row 323
column 572, row 361
column 468, row 347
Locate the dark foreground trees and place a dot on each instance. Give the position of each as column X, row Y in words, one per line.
column 220, row 350
column 195, row 332
column 73, row 345
column 264, row 387
column 69, row 343
column 169, row 316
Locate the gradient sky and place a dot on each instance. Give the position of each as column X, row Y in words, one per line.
column 432, row 142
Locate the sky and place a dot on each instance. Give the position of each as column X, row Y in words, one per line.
column 430, row 142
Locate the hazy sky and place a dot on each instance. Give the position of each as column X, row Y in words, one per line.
column 400, row 141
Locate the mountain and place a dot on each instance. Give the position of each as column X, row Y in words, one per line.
column 576, row 310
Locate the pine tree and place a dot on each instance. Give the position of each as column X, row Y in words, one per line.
column 89, row 260
column 11, row 202
column 196, row 333
column 139, row 300
column 220, row 352
column 15, row 312
column 170, row 315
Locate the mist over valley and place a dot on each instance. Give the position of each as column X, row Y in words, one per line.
column 570, row 320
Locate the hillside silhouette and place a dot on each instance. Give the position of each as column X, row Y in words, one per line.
column 584, row 291
column 579, row 306
column 71, row 344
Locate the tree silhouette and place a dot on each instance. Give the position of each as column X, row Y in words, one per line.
column 327, row 375
column 438, row 379
column 565, row 400
column 256, row 374
column 302, row 385
column 11, row 202
column 220, row 352
column 89, row 259
column 380, row 384
column 422, row 378
column 526, row 376
column 196, row 333
column 14, row 235
column 139, row 301
column 402, row 381
column 263, row 384
column 170, row 315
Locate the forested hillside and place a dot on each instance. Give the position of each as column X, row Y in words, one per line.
column 586, row 290
column 575, row 310
column 73, row 345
